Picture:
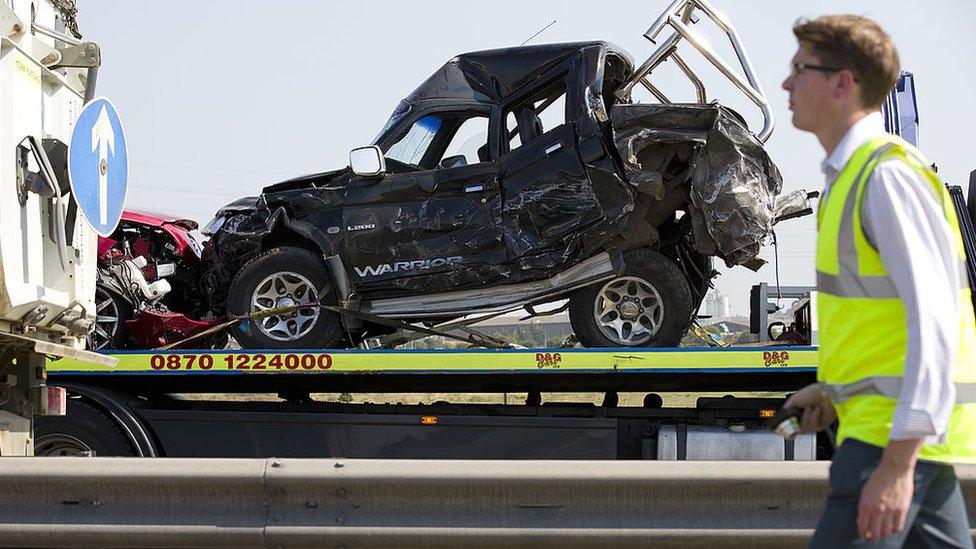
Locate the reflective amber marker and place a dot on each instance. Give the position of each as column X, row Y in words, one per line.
column 428, row 420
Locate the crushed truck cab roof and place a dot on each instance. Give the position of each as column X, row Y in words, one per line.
column 491, row 75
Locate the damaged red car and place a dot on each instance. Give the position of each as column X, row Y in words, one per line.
column 148, row 293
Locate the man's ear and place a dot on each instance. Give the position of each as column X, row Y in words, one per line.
column 845, row 86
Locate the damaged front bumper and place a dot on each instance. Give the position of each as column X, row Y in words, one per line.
column 236, row 234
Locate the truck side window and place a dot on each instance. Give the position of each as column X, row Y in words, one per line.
column 470, row 141
column 540, row 113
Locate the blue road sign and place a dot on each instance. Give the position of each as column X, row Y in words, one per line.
column 98, row 165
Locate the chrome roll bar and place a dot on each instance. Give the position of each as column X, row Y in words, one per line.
column 680, row 15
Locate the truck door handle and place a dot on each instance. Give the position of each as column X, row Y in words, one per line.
column 553, row 148
column 474, row 189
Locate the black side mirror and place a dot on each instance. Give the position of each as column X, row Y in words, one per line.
column 454, row 161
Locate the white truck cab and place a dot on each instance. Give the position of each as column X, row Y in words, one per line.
column 47, row 249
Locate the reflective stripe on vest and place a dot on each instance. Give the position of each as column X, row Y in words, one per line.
column 888, row 386
column 847, row 283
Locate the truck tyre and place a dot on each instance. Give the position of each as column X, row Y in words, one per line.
column 648, row 305
column 86, row 430
column 283, row 277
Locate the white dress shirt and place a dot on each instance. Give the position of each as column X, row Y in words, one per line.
column 903, row 220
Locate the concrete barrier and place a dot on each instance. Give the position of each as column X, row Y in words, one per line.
column 122, row 502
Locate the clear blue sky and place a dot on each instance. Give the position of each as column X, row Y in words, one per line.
column 221, row 98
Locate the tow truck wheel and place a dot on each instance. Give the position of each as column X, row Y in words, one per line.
column 284, row 278
column 648, row 305
column 85, row 431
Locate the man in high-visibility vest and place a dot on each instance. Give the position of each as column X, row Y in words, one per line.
column 897, row 364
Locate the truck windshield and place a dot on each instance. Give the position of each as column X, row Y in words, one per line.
column 413, row 146
column 399, row 112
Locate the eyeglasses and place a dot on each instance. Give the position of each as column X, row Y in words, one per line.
column 799, row 67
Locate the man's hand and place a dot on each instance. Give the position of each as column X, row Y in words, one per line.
column 818, row 411
column 887, row 495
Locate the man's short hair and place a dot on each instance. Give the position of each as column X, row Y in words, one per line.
column 855, row 43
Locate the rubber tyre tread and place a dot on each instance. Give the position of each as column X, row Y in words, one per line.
column 327, row 330
column 90, row 424
column 661, row 273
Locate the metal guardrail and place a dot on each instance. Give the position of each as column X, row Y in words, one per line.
column 124, row 502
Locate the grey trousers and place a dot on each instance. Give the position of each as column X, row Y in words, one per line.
column 936, row 518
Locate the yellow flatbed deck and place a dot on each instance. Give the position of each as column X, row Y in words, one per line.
column 460, row 370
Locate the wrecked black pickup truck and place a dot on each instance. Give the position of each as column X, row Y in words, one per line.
column 509, row 178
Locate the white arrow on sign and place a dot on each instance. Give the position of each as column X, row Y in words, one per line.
column 103, row 139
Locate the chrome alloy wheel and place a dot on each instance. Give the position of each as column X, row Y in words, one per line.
column 628, row 310
column 285, row 289
column 107, row 320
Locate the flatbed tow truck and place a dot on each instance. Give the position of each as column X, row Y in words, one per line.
column 129, row 410
column 142, row 406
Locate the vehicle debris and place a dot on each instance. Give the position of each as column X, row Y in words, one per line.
column 733, row 183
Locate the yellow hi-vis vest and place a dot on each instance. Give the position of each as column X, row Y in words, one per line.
column 863, row 324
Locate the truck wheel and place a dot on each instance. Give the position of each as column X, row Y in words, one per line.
column 283, row 277
column 84, row 431
column 648, row 305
